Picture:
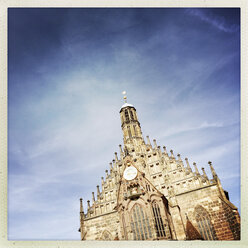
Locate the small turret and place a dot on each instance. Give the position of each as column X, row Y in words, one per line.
column 121, row 152
column 98, row 192
column 179, row 157
column 159, row 151
column 204, row 173
column 110, row 167
column 212, row 170
column 93, row 197
column 81, row 206
column 88, row 203
column 187, row 163
column 155, row 144
column 116, row 158
column 165, row 151
column 81, row 229
column 172, row 155
column 148, row 140
column 196, row 169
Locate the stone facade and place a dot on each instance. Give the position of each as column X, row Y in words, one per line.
column 148, row 194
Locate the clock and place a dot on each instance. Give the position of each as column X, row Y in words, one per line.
column 130, row 173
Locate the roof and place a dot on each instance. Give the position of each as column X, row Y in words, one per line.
column 127, row 105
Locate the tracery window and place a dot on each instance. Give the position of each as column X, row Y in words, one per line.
column 159, row 225
column 140, row 224
column 204, row 223
column 126, row 115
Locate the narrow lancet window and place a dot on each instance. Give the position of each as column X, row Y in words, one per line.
column 126, row 115
column 159, row 225
column 131, row 113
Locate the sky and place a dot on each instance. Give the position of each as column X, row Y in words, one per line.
column 67, row 69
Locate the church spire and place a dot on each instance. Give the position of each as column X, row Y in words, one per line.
column 132, row 134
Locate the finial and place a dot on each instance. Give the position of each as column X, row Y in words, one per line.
column 120, row 149
column 88, row 204
column 98, row 191
column 172, row 155
column 155, row 143
column 164, row 147
column 204, row 173
column 179, row 157
column 125, row 97
column 110, row 166
column 116, row 158
column 148, row 140
column 93, row 197
column 196, row 169
column 212, row 169
column 187, row 162
column 81, row 205
column 106, row 173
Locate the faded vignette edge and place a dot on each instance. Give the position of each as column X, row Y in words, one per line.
column 4, row 5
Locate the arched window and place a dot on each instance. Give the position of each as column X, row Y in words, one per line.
column 131, row 113
column 140, row 224
column 126, row 115
column 204, row 223
column 159, row 225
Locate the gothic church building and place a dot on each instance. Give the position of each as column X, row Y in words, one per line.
column 150, row 194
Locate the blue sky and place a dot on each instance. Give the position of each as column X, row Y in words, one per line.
column 66, row 71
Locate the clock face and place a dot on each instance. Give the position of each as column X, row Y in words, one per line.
column 130, row 173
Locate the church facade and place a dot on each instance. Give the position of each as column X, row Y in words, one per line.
column 150, row 194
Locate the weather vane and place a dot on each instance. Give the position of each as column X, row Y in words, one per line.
column 125, row 97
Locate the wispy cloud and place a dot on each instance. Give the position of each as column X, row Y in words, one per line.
column 64, row 123
column 218, row 22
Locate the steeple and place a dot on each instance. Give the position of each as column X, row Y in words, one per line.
column 130, row 125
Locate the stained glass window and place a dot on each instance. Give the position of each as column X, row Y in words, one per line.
column 140, row 224
column 204, row 223
column 159, row 225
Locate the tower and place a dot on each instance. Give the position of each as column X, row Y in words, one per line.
column 132, row 134
column 148, row 194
